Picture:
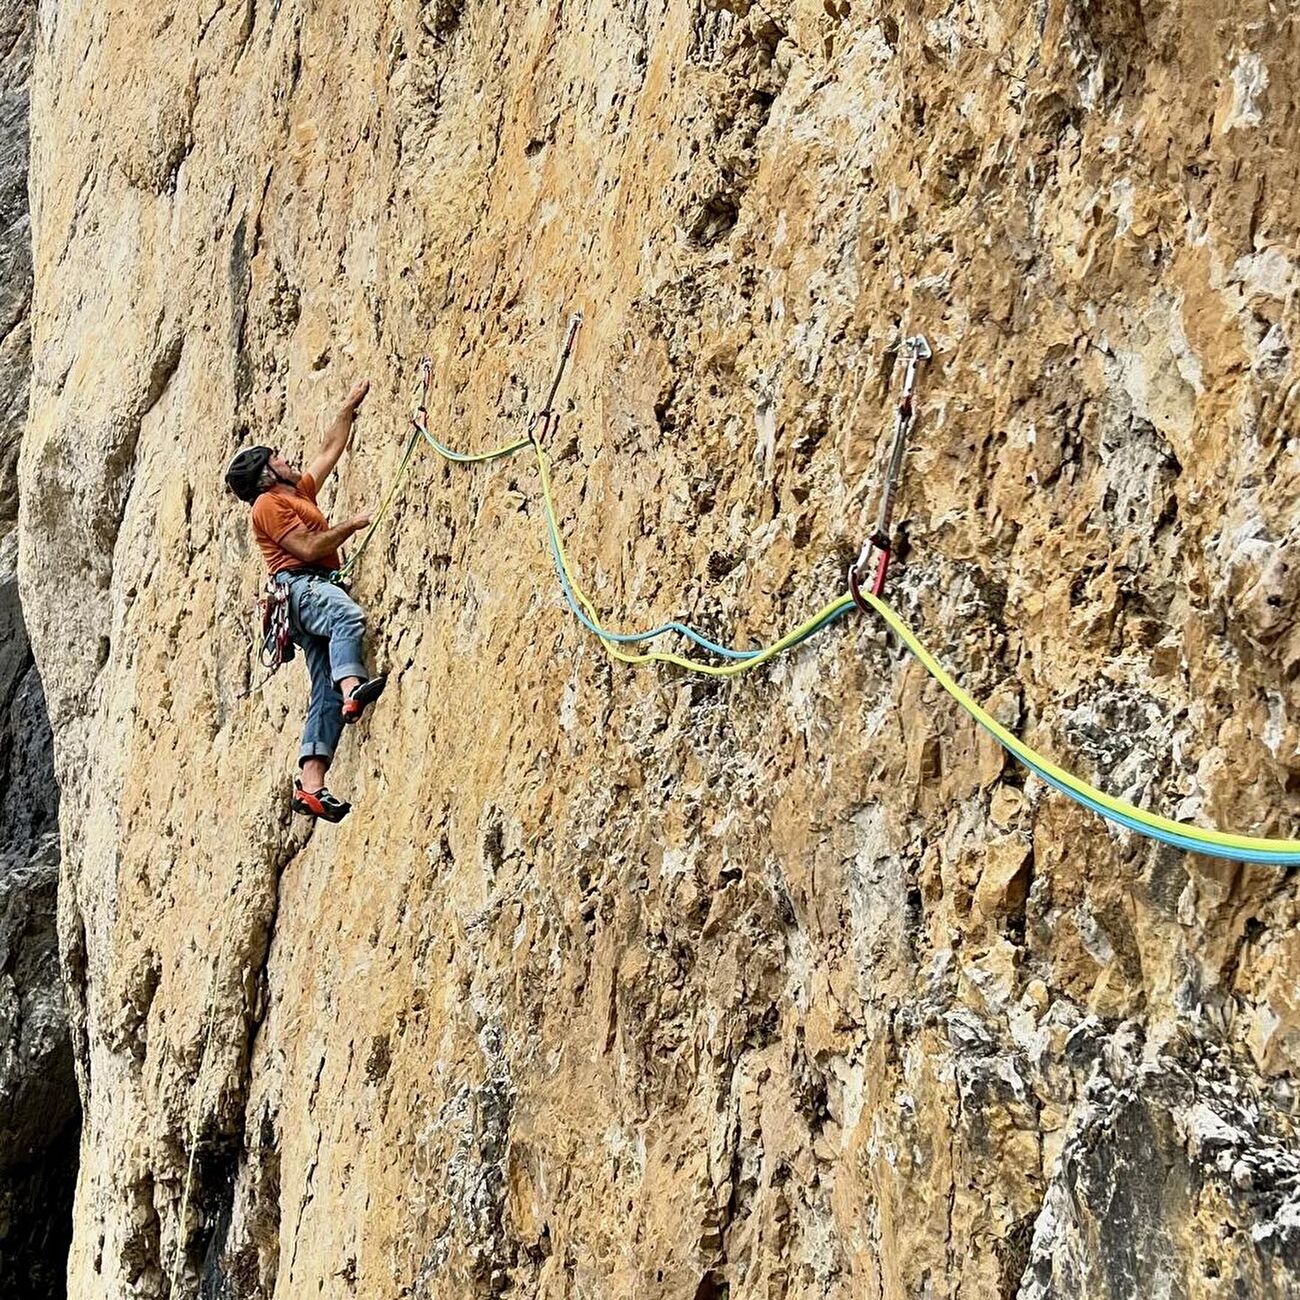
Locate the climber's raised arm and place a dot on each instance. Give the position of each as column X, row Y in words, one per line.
column 322, row 463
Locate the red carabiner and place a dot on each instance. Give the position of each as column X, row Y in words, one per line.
column 882, row 547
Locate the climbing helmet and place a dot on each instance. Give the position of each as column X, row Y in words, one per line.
column 244, row 477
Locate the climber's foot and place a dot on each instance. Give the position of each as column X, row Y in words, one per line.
column 367, row 693
column 319, row 804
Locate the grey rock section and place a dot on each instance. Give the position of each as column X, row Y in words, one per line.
column 39, row 1109
column 1158, row 1143
column 39, row 1112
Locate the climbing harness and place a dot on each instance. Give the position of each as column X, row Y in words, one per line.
column 916, row 350
column 271, row 615
column 1180, row 835
column 277, row 639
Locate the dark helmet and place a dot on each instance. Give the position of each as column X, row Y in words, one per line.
column 244, row 477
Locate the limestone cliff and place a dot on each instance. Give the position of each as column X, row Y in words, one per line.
column 38, row 1096
column 618, row 982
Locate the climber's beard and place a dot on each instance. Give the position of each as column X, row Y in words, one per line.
column 283, row 471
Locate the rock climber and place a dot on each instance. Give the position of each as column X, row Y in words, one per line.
column 302, row 556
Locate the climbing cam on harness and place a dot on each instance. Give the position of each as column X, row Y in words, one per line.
column 915, row 350
column 542, row 421
column 277, row 640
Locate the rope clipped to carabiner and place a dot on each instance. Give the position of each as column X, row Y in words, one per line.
column 915, row 350
column 1181, row 835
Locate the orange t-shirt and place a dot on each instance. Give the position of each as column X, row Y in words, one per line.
column 277, row 513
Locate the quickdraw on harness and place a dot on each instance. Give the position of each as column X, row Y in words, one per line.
column 276, row 648
column 277, row 639
column 915, row 350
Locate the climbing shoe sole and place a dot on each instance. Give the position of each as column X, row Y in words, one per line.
column 365, row 694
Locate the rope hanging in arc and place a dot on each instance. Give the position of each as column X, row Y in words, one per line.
column 1180, row 835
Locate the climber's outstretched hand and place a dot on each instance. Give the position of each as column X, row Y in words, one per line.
column 357, row 396
column 336, row 436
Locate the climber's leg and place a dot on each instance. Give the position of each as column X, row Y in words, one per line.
column 326, row 610
column 312, row 773
column 324, row 726
column 320, row 734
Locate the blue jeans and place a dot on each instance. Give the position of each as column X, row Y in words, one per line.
column 328, row 625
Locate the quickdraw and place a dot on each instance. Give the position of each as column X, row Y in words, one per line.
column 915, row 350
column 421, row 417
column 277, row 639
column 542, row 421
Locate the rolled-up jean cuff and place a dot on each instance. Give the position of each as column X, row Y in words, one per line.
column 314, row 749
column 349, row 670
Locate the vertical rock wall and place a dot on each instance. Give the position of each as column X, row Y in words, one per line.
column 620, row 982
column 38, row 1097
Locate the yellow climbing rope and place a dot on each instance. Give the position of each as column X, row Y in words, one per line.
column 1182, row 835
column 827, row 614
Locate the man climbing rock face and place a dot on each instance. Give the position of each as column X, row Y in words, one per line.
column 302, row 555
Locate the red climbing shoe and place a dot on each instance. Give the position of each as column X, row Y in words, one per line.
column 367, row 693
column 319, row 804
